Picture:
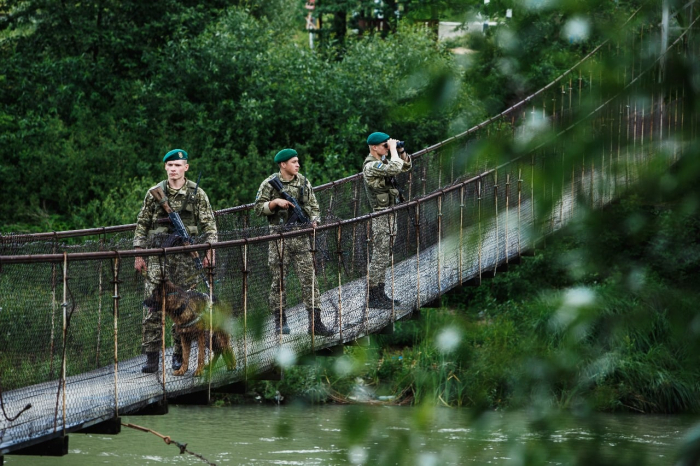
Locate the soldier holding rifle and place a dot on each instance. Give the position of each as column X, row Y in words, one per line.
column 287, row 200
column 184, row 197
column 387, row 158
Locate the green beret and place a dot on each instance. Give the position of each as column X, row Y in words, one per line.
column 376, row 138
column 175, row 154
column 285, row 154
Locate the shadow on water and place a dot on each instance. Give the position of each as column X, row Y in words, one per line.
column 255, row 434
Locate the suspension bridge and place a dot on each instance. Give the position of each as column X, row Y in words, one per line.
column 71, row 303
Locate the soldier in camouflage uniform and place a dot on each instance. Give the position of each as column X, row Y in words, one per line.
column 377, row 171
column 193, row 206
column 296, row 251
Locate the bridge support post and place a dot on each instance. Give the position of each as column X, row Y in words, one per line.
column 158, row 408
column 238, row 388
column 57, row 446
column 109, row 427
column 200, row 398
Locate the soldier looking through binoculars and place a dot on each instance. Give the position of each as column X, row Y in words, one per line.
column 387, row 158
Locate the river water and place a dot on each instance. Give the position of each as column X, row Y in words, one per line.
column 353, row 434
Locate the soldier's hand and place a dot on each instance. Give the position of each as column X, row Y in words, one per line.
column 208, row 261
column 281, row 203
column 139, row 264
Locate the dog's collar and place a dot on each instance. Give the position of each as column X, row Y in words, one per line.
column 190, row 323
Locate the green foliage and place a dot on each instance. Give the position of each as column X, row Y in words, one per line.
column 91, row 104
column 300, row 382
column 524, row 53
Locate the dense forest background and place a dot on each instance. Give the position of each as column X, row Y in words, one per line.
column 93, row 93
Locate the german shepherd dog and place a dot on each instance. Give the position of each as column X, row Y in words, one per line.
column 187, row 309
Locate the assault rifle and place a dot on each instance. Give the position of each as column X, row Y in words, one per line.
column 392, row 181
column 180, row 228
column 298, row 214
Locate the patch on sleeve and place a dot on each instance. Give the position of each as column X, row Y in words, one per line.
column 378, row 165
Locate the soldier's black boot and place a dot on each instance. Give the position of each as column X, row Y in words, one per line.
column 316, row 325
column 378, row 298
column 177, row 362
column 285, row 327
column 151, row 365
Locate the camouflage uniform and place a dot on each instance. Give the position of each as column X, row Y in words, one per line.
column 381, row 195
column 295, row 250
column 198, row 217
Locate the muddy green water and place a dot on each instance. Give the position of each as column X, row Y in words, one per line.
column 341, row 434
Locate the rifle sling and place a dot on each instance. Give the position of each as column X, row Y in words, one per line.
column 164, row 187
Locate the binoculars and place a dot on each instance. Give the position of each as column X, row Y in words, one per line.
column 399, row 144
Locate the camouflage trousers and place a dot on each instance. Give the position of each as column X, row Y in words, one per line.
column 281, row 254
column 180, row 270
column 382, row 229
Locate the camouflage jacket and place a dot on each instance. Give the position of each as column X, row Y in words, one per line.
column 198, row 215
column 377, row 175
column 299, row 188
